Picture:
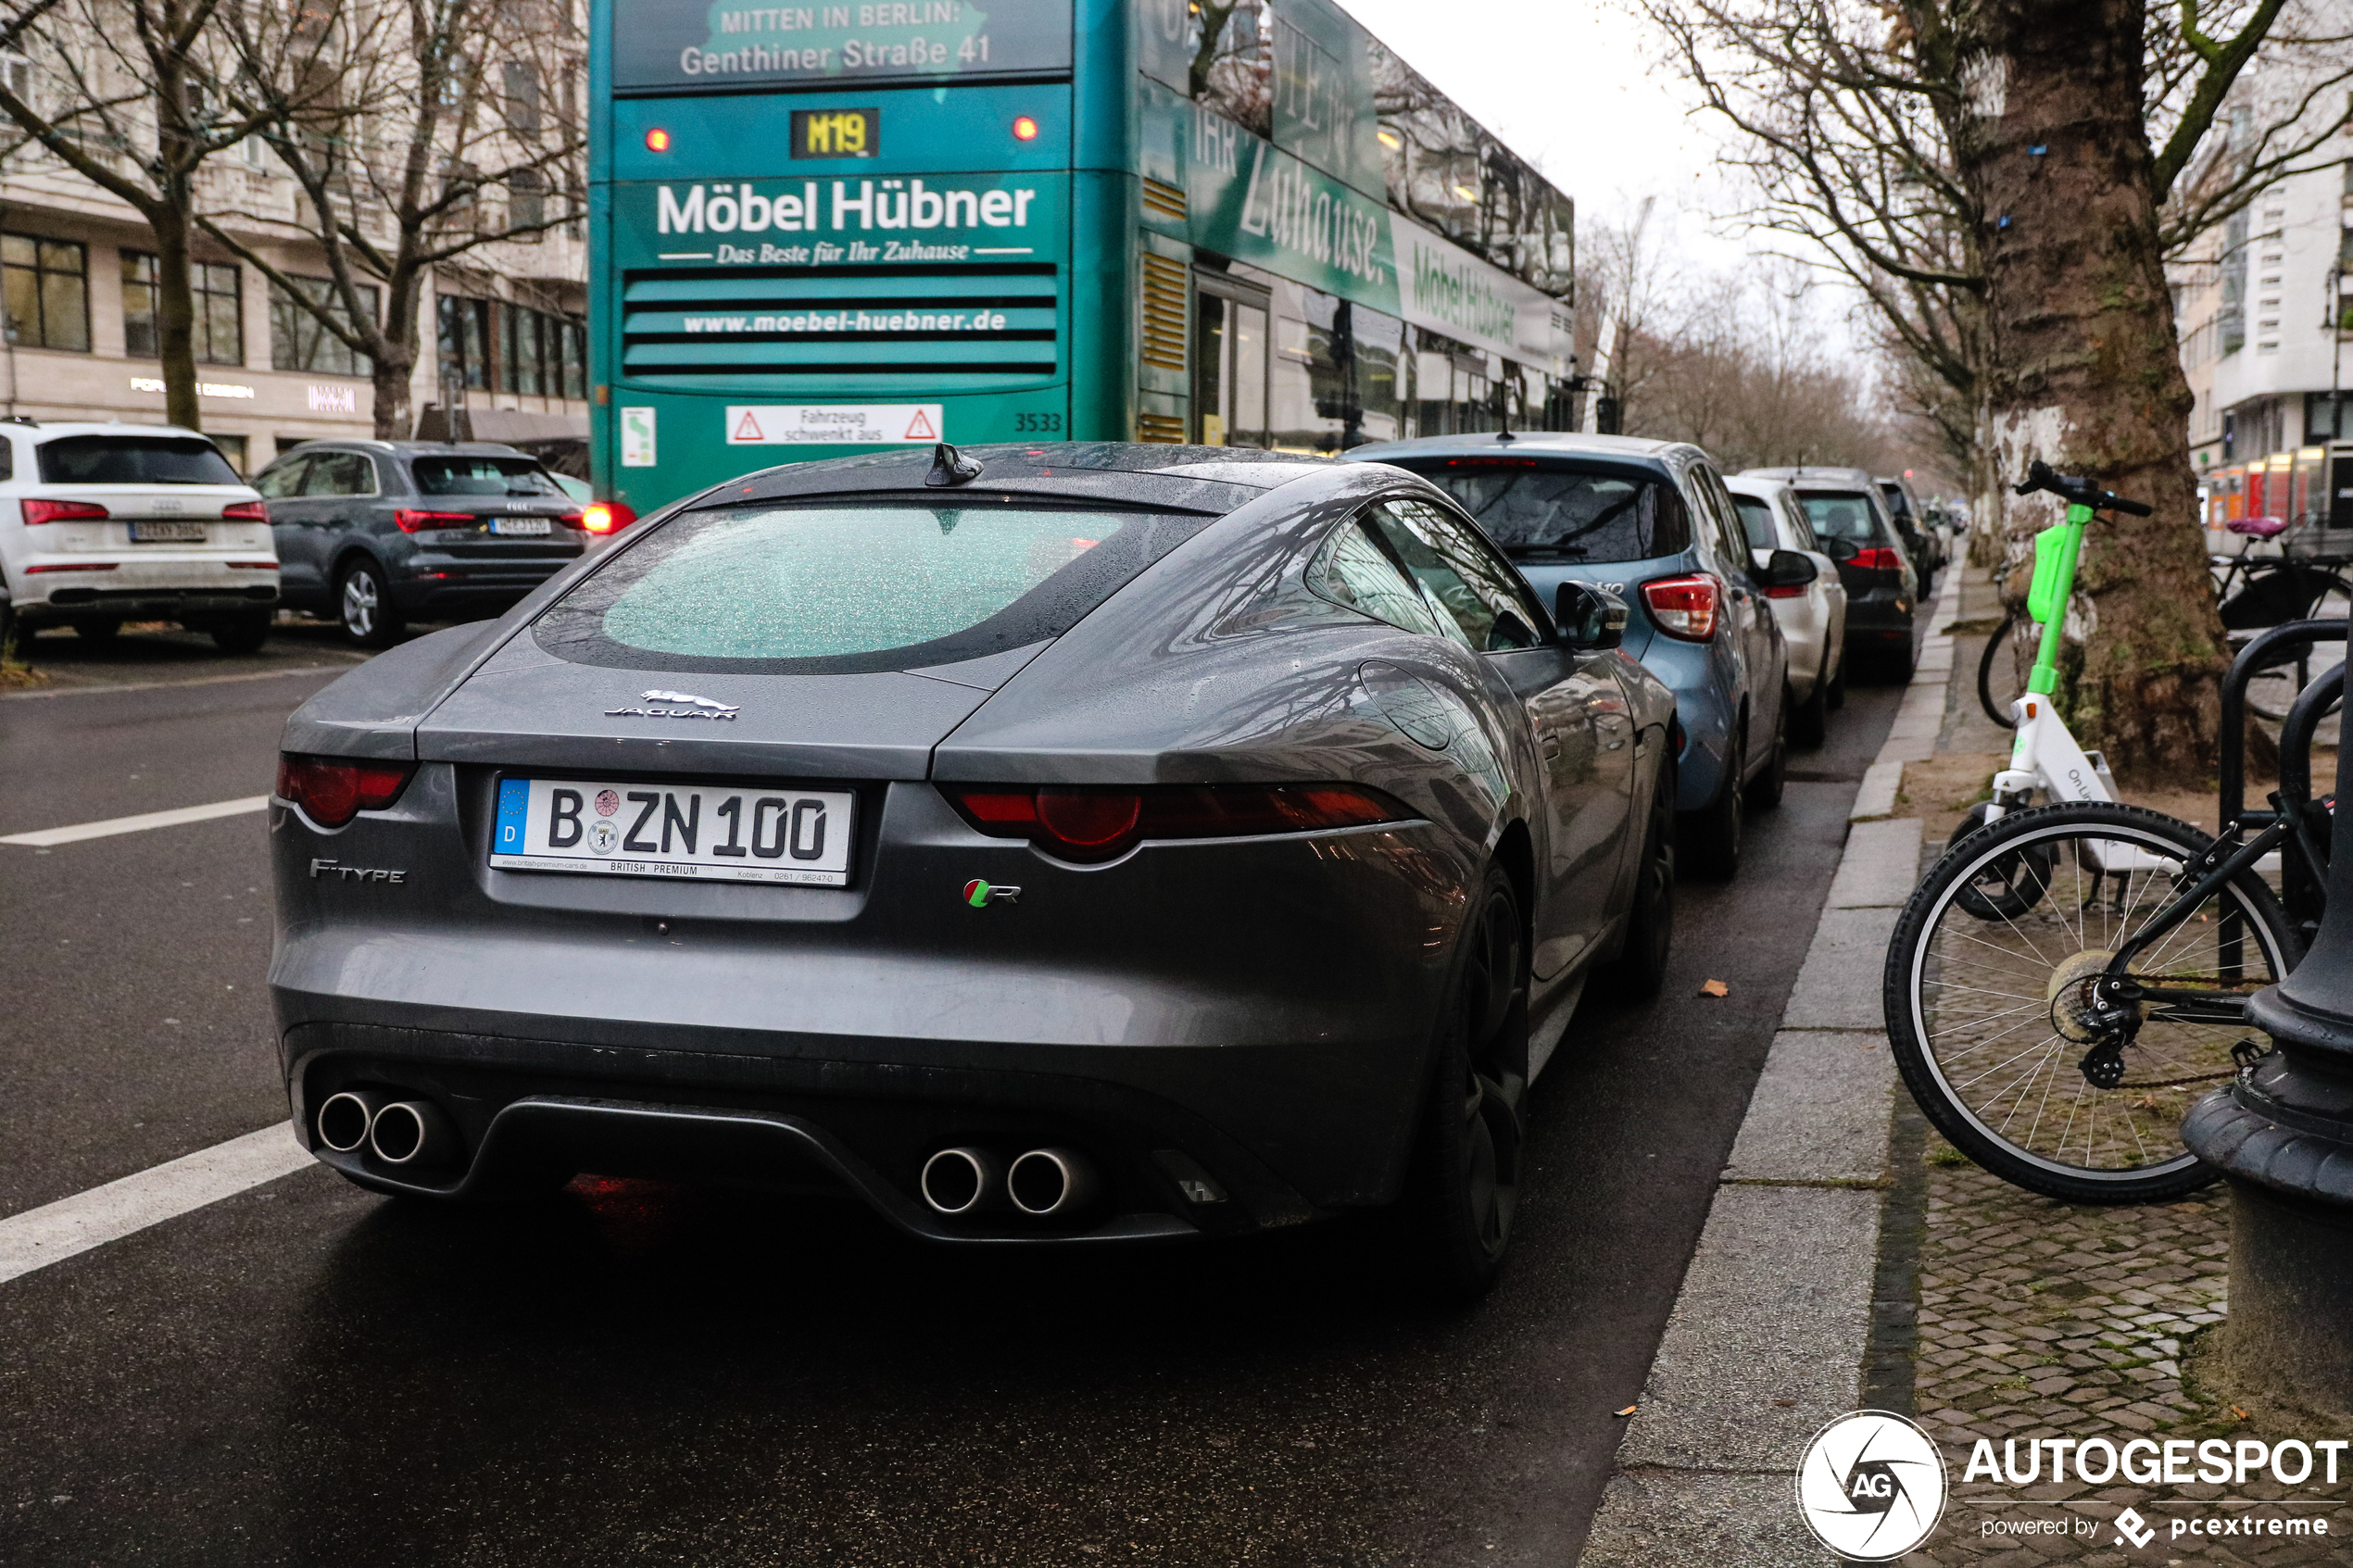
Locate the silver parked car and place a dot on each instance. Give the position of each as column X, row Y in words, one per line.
column 1813, row 616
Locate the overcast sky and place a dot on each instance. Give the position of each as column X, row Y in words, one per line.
column 1581, row 89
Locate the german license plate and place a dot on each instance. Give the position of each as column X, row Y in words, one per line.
column 716, row 833
column 519, row 525
column 166, row 532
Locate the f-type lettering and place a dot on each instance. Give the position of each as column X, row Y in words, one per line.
column 688, row 825
column 564, row 825
column 632, row 841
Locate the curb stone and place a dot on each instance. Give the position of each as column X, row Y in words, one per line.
column 1787, row 1305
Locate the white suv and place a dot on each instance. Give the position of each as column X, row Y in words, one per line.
column 104, row 524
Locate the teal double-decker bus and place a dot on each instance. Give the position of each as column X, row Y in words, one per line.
column 817, row 229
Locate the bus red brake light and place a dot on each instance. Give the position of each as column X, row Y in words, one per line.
column 1093, row 825
column 657, row 140
column 332, row 790
column 1024, row 129
column 606, row 516
column 1685, row 607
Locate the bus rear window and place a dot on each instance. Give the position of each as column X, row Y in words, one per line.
column 133, row 459
column 1557, row 513
column 845, row 589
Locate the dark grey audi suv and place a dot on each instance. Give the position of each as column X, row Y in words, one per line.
column 1069, row 843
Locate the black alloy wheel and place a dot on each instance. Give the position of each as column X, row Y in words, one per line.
column 364, row 604
column 1712, row 836
column 1457, row 1213
column 1640, row 968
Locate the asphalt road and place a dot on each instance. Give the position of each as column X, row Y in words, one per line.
column 628, row 1373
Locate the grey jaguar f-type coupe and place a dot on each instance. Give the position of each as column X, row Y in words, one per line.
column 1067, row 843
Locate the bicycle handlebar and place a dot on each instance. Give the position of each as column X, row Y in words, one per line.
column 2078, row 491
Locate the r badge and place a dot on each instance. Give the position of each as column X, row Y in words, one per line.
column 980, row 894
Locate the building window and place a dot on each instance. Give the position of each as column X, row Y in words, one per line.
column 522, row 99
column 527, row 203
column 236, row 448
column 47, row 291
column 220, row 328
column 540, row 355
column 465, row 343
column 299, row 340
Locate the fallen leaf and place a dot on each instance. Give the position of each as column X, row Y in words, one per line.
column 1714, row 988
column 2240, row 1413
column 1626, row 1412
column 1784, row 1403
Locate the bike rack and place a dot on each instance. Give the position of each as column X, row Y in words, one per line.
column 2299, row 880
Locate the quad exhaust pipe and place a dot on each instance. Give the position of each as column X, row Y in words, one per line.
column 1043, row 1183
column 399, row 1132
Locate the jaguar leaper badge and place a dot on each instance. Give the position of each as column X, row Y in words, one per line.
column 696, row 708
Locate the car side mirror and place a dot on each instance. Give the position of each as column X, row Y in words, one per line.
column 1585, row 617
column 1840, row 550
column 1787, row 568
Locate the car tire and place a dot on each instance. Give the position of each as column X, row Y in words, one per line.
column 1464, row 1187
column 245, row 632
column 363, row 604
column 1898, row 662
column 1640, row 968
column 1765, row 789
column 100, row 632
column 1838, row 680
column 1809, row 722
column 1711, row 835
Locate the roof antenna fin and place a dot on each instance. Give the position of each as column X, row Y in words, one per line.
column 951, row 467
column 1505, row 433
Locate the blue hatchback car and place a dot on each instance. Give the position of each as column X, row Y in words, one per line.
column 1651, row 521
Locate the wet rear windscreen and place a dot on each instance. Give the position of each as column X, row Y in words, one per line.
column 1551, row 511
column 481, row 476
column 840, row 589
column 1841, row 514
column 1756, row 522
column 134, row 459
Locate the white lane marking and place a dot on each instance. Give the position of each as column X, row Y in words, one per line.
column 58, row 1230
column 198, row 680
column 47, row 837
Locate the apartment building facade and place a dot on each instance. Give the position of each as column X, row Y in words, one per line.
column 505, row 334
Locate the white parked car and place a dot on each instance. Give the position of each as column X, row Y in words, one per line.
column 104, row 524
column 1813, row 617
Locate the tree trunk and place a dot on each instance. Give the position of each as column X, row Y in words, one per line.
column 2085, row 373
column 396, row 364
column 175, row 318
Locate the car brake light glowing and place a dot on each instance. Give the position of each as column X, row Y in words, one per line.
column 40, row 509
column 245, row 511
column 1879, row 557
column 1093, row 825
column 1785, row 593
column 606, row 516
column 332, row 790
column 409, row 521
column 1685, row 607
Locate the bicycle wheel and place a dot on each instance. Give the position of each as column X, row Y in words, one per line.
column 1986, row 1017
column 2276, row 593
column 2003, row 668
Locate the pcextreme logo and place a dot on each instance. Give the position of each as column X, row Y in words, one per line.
column 1871, row 1485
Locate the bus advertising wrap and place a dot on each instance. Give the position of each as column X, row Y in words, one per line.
column 670, row 44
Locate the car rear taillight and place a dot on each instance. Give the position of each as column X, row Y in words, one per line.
column 606, row 516
column 1090, row 826
column 411, row 521
column 39, row 509
column 245, row 511
column 1879, row 557
column 1685, row 607
column 332, row 790
column 1788, row 593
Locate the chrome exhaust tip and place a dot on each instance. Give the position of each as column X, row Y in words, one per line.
column 1047, row 1182
column 412, row 1132
column 344, row 1119
column 961, row 1180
